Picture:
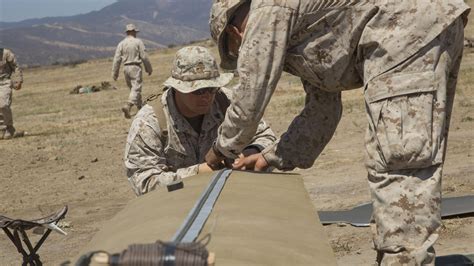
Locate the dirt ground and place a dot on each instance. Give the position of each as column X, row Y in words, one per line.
column 74, row 148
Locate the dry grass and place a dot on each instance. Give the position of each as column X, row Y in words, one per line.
column 470, row 27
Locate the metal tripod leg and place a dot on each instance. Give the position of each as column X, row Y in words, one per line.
column 32, row 258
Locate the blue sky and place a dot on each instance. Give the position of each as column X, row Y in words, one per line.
column 17, row 10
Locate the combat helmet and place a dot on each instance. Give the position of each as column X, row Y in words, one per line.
column 221, row 13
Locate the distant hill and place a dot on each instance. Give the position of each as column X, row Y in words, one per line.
column 96, row 34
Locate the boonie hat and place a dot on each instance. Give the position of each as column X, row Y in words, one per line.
column 195, row 68
column 131, row 27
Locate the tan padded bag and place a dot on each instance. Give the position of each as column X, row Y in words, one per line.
column 259, row 219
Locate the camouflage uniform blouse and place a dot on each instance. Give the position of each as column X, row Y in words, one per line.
column 333, row 46
column 130, row 51
column 150, row 164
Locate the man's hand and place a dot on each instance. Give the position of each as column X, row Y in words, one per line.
column 17, row 85
column 204, row 168
column 214, row 159
column 254, row 162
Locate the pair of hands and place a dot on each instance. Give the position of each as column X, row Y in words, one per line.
column 253, row 162
column 249, row 159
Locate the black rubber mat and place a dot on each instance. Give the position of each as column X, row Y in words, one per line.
column 455, row 260
column 360, row 215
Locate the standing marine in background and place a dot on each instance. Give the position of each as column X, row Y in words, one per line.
column 405, row 54
column 8, row 66
column 131, row 51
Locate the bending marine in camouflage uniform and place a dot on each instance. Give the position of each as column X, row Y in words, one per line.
column 405, row 54
column 170, row 135
column 8, row 66
column 131, row 51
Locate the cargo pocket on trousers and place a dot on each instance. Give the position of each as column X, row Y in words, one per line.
column 400, row 114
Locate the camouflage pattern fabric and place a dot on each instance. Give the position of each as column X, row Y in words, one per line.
column 320, row 118
column 333, row 45
column 393, row 49
column 406, row 146
column 194, row 68
column 6, row 117
column 151, row 164
column 134, row 79
column 131, row 52
column 8, row 67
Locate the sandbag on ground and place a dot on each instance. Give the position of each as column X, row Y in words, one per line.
column 264, row 219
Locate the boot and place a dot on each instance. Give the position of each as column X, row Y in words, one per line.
column 10, row 132
column 126, row 110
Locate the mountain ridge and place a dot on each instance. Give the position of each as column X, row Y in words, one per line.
column 95, row 34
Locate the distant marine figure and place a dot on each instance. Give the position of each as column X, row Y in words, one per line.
column 131, row 51
column 8, row 66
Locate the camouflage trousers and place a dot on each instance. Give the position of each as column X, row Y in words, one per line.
column 6, row 117
column 134, row 78
column 409, row 109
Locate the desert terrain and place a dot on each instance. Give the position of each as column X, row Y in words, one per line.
column 73, row 153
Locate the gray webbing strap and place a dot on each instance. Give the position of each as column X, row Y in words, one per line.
column 194, row 222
